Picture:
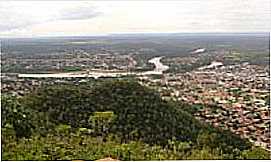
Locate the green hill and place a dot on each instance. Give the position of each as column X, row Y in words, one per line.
column 118, row 111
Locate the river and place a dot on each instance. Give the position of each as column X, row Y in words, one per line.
column 158, row 70
column 214, row 64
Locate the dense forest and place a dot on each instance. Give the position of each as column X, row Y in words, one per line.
column 111, row 118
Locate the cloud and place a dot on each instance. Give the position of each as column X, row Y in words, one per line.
column 99, row 17
column 15, row 16
column 11, row 18
column 79, row 13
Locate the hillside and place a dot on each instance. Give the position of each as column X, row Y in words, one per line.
column 117, row 118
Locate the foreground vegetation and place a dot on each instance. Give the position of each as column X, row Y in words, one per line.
column 120, row 119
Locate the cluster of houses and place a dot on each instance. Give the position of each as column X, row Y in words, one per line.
column 59, row 62
column 233, row 97
column 13, row 85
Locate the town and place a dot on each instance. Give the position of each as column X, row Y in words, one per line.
column 233, row 97
column 227, row 88
column 135, row 80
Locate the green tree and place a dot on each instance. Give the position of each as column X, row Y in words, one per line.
column 15, row 116
column 102, row 121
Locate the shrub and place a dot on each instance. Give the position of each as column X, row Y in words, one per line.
column 15, row 116
column 102, row 121
column 256, row 153
column 205, row 154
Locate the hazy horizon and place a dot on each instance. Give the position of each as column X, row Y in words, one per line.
column 146, row 34
column 99, row 18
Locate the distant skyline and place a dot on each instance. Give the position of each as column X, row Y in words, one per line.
column 86, row 18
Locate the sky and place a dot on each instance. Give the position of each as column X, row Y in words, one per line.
column 84, row 18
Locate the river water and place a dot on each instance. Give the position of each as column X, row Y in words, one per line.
column 212, row 65
column 158, row 70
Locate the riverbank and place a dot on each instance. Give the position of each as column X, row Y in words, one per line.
column 158, row 70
